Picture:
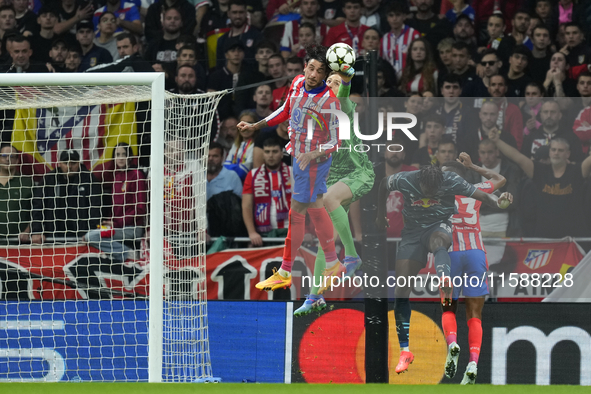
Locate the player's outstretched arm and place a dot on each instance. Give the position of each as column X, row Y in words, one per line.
column 383, row 192
column 493, row 201
column 526, row 164
column 496, row 179
column 250, row 126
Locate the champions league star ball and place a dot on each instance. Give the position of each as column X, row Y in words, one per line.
column 340, row 57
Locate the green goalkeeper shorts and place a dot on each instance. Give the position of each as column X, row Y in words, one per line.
column 359, row 181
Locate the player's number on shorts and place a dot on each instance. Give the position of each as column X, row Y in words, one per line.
column 469, row 204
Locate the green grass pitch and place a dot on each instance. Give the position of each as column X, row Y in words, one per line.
column 248, row 388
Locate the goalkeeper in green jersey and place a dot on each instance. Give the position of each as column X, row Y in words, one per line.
column 351, row 176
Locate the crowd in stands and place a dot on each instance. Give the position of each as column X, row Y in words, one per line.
column 513, row 77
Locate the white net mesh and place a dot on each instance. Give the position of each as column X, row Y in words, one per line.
column 75, row 219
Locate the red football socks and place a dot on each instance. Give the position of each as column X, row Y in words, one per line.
column 324, row 232
column 450, row 327
column 295, row 237
column 474, row 338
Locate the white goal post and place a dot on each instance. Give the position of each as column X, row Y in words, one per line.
column 176, row 339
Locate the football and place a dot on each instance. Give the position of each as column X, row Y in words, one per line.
column 340, row 57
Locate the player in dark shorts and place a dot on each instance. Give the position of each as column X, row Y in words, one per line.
column 429, row 202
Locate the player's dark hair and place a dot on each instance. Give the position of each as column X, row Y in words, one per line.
column 431, row 177
column 456, row 167
column 318, row 53
column 273, row 141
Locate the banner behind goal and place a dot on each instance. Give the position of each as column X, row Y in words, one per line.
column 102, row 229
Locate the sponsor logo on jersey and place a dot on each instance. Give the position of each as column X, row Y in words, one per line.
column 425, row 202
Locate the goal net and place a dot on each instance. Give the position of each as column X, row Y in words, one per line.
column 102, row 229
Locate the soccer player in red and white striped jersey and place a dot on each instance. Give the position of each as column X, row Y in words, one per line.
column 307, row 96
column 468, row 265
column 396, row 42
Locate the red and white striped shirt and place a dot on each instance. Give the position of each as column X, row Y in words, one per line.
column 394, row 49
column 303, row 107
column 466, row 223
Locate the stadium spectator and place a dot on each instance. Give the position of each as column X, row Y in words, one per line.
column 92, row 55
column 557, row 83
column 306, row 37
column 7, row 20
column 67, row 203
column 518, row 36
column 227, row 77
column 129, row 57
column 293, row 67
column 351, row 30
column 58, row 54
column 434, row 130
column 463, row 31
column 16, row 195
column 186, row 80
column 373, row 15
column 266, row 196
column 262, row 98
column 278, row 69
column 420, row 72
column 278, row 133
column 496, row 222
column 187, row 55
column 163, row 49
column 26, row 19
column 20, row 53
column 106, row 27
column 153, row 24
column 517, row 79
column 457, row 115
column 485, row 8
column 478, row 86
column 395, row 43
column 460, row 54
column 264, row 51
column 530, row 111
column 308, row 14
column 70, row 13
column 424, row 19
column 495, row 28
column 446, row 151
column 227, row 134
column 240, row 157
column 129, row 208
column 219, row 178
column 42, row 40
column 509, row 118
column 550, row 116
column 460, row 8
column 558, row 187
column 539, row 62
column 127, row 17
column 576, row 50
column 73, row 59
column 488, row 116
column 241, row 31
